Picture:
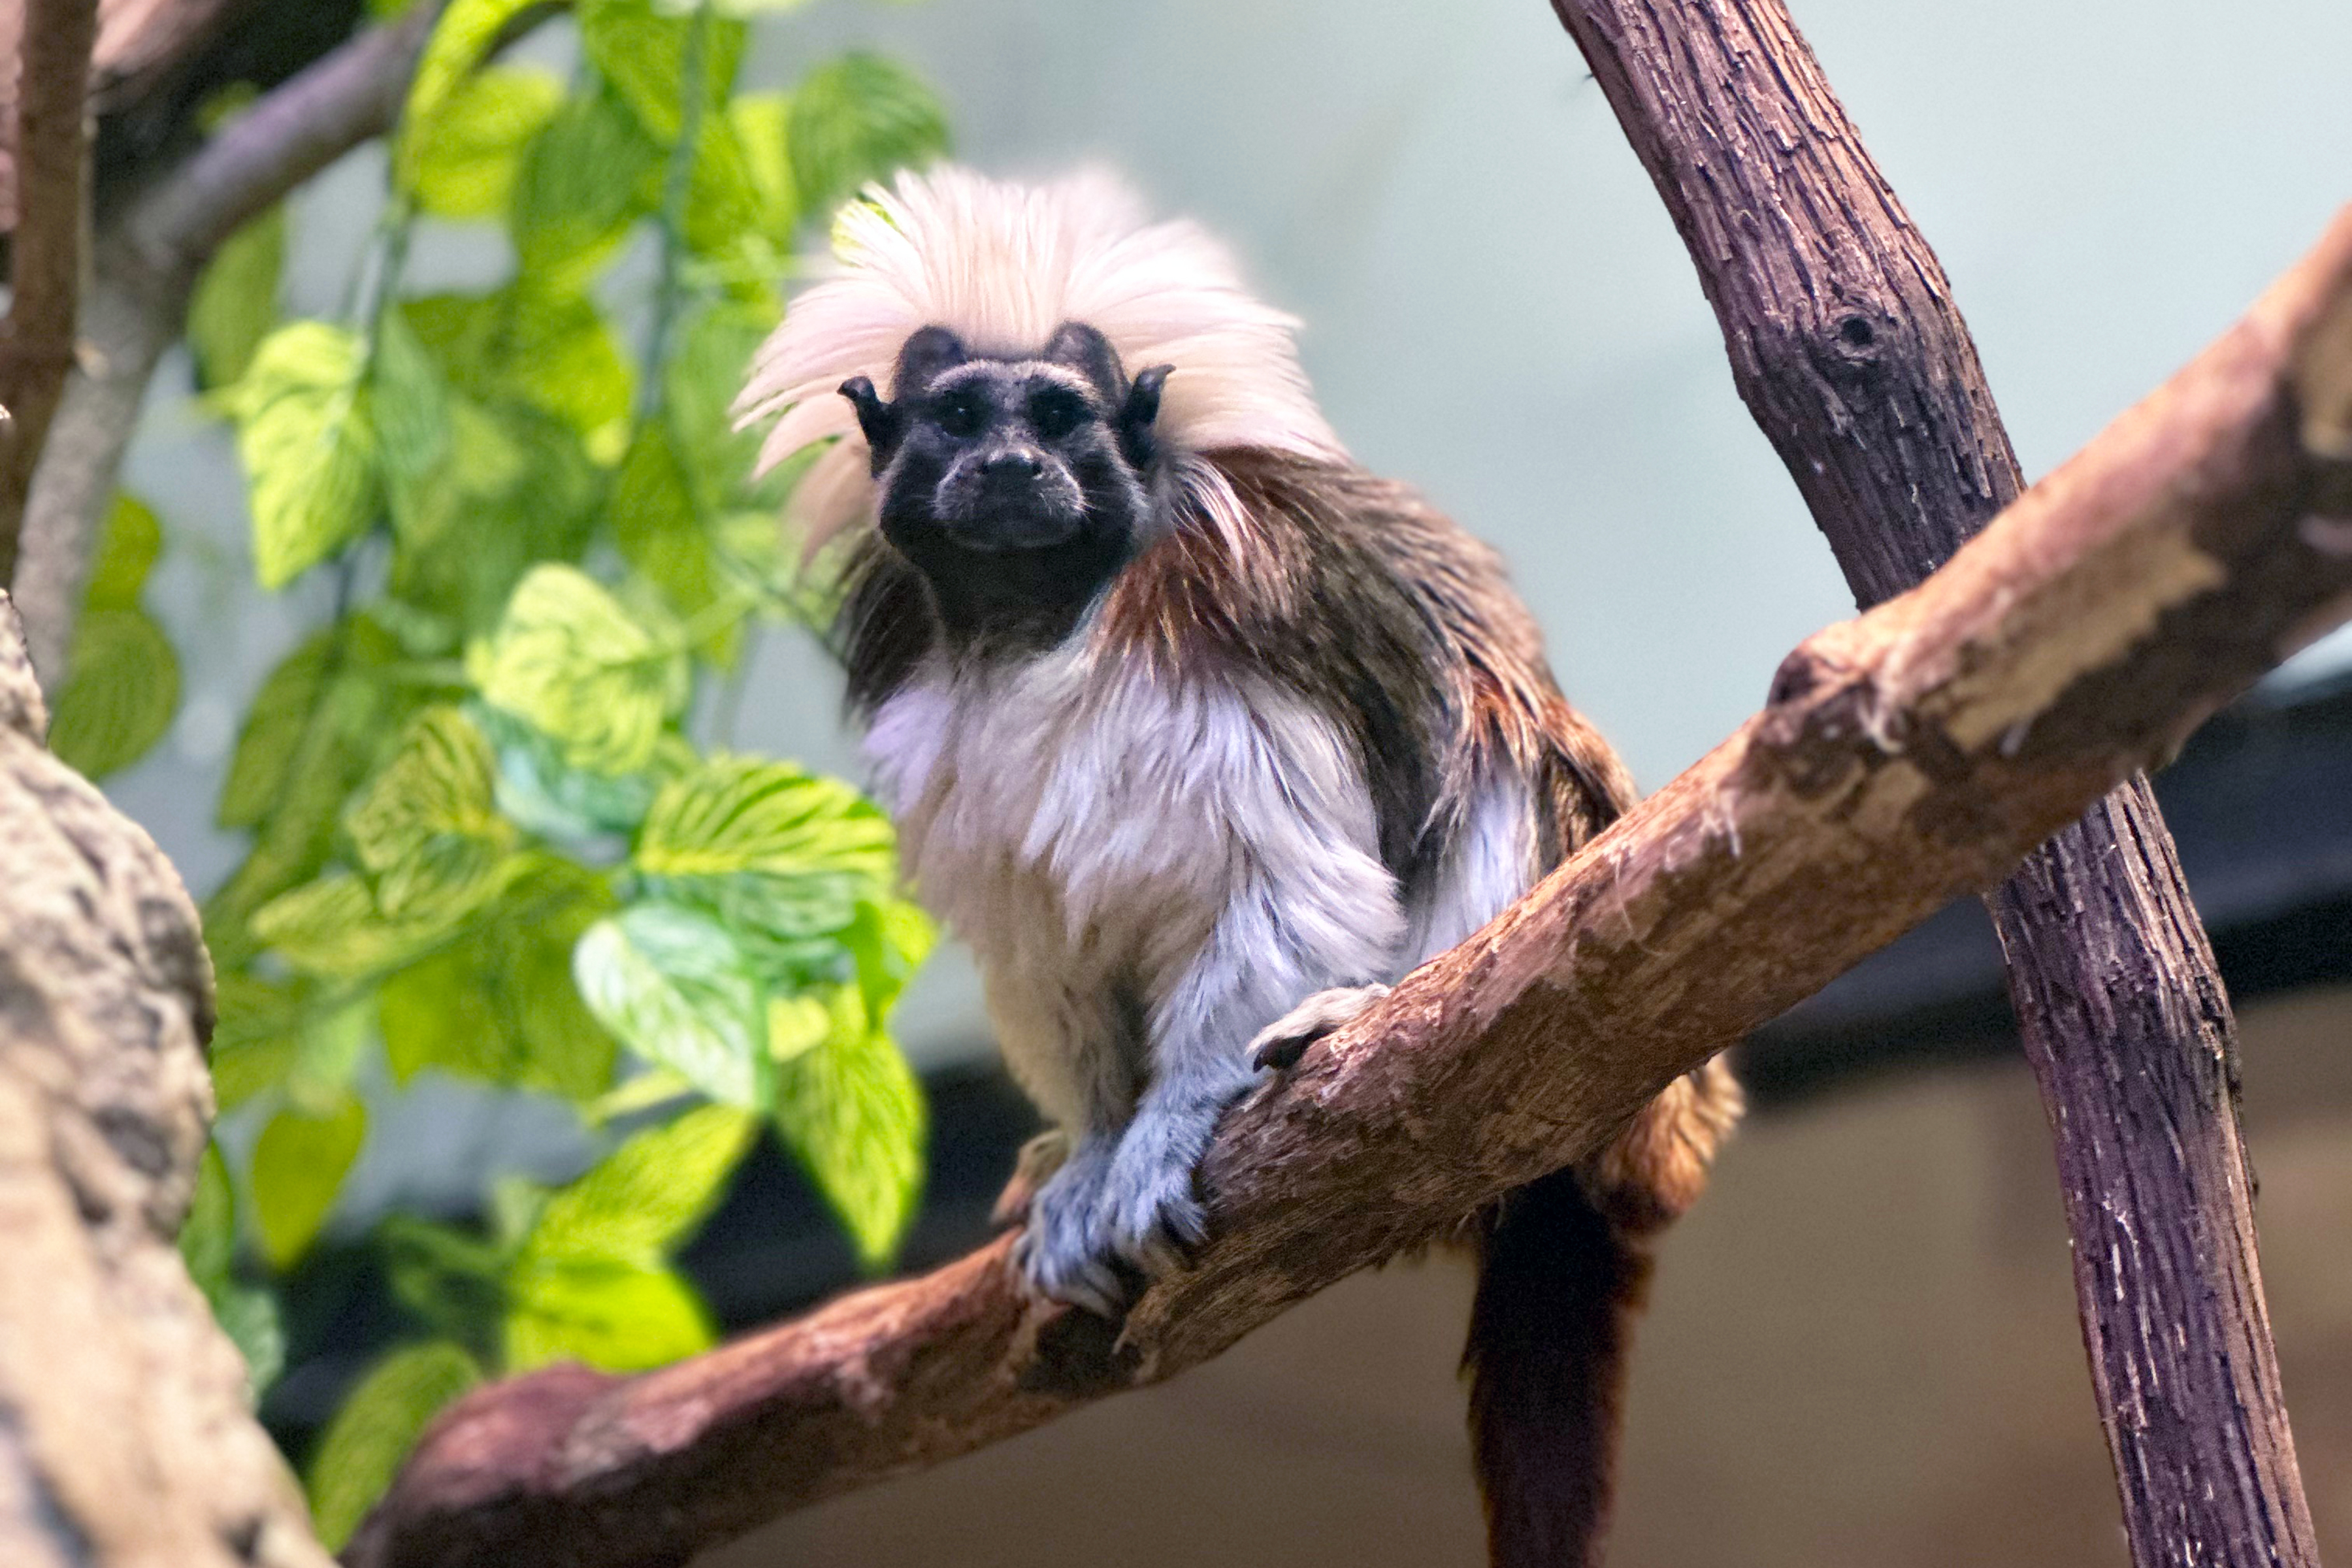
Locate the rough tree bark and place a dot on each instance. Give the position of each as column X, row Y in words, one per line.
column 125, row 1441
column 1905, row 757
column 50, row 141
column 1848, row 349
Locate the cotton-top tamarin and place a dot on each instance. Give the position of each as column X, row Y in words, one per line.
column 1200, row 736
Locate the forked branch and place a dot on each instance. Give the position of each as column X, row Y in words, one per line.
column 1903, row 757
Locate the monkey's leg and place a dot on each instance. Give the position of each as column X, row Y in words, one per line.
column 1272, row 948
column 1658, row 1166
column 1077, row 1050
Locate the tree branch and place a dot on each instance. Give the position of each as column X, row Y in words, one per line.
column 1905, row 757
column 147, row 264
column 52, row 161
column 125, row 1438
column 1846, row 347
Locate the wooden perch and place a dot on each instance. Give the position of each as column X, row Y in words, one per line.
column 1847, row 345
column 125, row 1438
column 1904, row 758
column 49, row 136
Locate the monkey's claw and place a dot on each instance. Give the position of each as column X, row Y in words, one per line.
column 1281, row 1043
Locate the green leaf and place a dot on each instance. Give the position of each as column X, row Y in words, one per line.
column 466, row 159
column 249, row 1315
column 298, row 1164
column 235, row 301
column 455, row 1282
column 742, row 813
column 274, row 727
column 649, row 1193
column 315, row 734
column 616, row 1317
column 123, row 685
column 428, row 826
column 724, row 205
column 309, row 449
column 583, row 183
column 255, row 1042
column 409, row 405
column 655, row 523
column 121, row 691
column 569, row 660
column 889, row 940
column 379, row 1422
column 674, row 987
column 531, row 343
column 642, row 52
column 542, row 794
column 852, row 1113
column 779, row 854
column 762, row 126
column 521, row 491
column 460, row 38
column 331, row 1035
column 501, row 1007
column 699, row 385
column 208, row 1246
column 858, row 118
column 127, row 548
column 208, row 1235
column 332, row 927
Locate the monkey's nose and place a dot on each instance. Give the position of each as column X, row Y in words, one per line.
column 1002, row 465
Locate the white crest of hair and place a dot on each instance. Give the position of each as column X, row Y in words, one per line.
column 1001, row 265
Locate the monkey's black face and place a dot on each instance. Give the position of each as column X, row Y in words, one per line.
column 1018, row 488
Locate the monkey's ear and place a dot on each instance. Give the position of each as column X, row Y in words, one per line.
column 1138, row 414
column 1088, row 351
column 882, row 422
column 927, row 352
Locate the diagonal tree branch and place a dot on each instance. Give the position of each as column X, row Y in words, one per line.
column 1903, row 757
column 147, row 263
column 51, row 146
column 1846, row 347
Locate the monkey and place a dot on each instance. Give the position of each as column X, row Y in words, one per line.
column 1200, row 736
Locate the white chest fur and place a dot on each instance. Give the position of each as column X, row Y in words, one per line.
column 1086, row 824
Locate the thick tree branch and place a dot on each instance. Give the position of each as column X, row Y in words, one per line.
column 1847, row 345
column 1905, row 757
column 125, row 1439
column 147, row 263
column 51, row 143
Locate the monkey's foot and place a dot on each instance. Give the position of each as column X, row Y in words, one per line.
column 1155, row 1219
column 1038, row 1159
column 1281, row 1043
column 1064, row 1252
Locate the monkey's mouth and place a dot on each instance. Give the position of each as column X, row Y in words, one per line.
column 1000, row 517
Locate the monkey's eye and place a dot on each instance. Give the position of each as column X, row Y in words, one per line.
column 960, row 413
column 1056, row 411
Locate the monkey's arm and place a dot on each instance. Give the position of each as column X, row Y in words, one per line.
column 1301, row 904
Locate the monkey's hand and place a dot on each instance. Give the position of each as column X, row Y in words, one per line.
column 1281, row 1043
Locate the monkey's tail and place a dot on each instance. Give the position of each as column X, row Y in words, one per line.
column 1559, row 1287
